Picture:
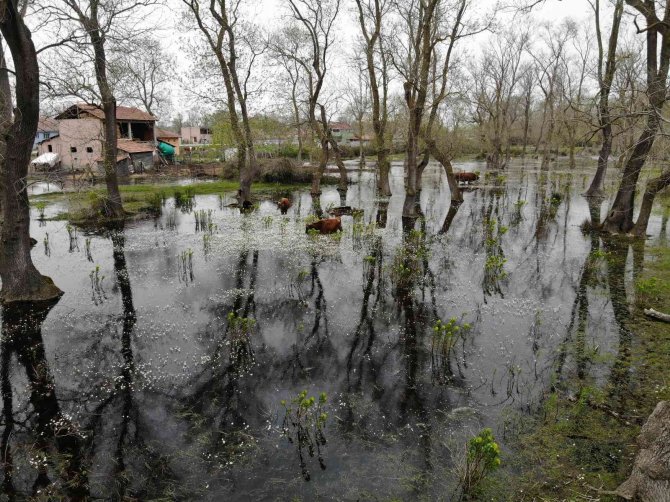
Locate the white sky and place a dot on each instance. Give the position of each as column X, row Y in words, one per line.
column 268, row 15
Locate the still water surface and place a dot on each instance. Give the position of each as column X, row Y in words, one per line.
column 139, row 383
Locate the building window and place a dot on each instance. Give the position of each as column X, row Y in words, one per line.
column 89, row 149
column 73, row 149
column 50, row 148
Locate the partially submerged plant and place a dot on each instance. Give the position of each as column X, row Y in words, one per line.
column 444, row 339
column 239, row 332
column 186, row 266
column 203, row 221
column 40, row 206
column 97, row 291
column 47, row 247
column 87, row 249
column 482, row 458
column 304, row 421
column 494, row 266
column 73, row 236
column 185, row 201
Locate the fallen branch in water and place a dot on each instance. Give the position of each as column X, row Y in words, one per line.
column 655, row 314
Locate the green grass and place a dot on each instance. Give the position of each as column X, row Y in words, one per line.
column 575, row 444
column 137, row 199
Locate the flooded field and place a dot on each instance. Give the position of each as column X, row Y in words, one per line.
column 173, row 366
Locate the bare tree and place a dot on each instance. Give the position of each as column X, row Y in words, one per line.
column 92, row 26
column 549, row 74
column 426, row 45
column 144, row 76
column 620, row 217
column 236, row 50
column 606, row 67
column 371, row 17
column 317, row 17
column 288, row 44
column 21, row 281
column 357, row 97
column 495, row 83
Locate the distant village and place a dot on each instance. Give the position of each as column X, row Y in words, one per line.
column 73, row 140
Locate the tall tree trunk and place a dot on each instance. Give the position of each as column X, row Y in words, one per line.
column 114, row 205
column 606, row 78
column 320, row 169
column 526, row 126
column 442, row 158
column 620, row 217
column 21, row 282
column 653, row 187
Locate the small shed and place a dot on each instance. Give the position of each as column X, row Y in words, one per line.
column 122, row 164
column 140, row 153
column 169, row 137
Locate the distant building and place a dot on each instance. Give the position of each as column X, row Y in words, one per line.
column 46, row 128
column 355, row 141
column 81, row 135
column 341, row 131
column 169, row 137
column 196, row 135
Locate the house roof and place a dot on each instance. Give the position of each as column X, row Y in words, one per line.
column 122, row 113
column 130, row 146
column 47, row 124
column 340, row 125
column 164, row 133
column 119, row 157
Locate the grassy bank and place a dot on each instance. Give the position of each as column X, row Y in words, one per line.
column 583, row 438
column 146, row 199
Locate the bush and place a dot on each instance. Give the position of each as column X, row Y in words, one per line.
column 482, row 457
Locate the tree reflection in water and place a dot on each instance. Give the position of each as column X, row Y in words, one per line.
column 45, row 440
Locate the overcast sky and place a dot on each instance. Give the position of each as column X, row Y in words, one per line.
column 167, row 20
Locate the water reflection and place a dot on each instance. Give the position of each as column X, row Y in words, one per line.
column 179, row 385
column 38, row 440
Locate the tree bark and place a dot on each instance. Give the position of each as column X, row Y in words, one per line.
column 653, row 187
column 620, row 217
column 114, row 205
column 21, row 282
column 596, row 187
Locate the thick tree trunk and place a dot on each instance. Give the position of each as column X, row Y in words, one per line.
column 384, row 168
column 605, row 80
column 21, row 282
column 650, row 479
column 319, row 170
column 114, row 205
column 653, row 187
column 620, row 217
column 344, row 180
column 596, row 187
column 442, row 158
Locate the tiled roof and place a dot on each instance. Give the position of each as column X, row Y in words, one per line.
column 340, row 125
column 122, row 112
column 164, row 133
column 130, row 146
column 119, row 157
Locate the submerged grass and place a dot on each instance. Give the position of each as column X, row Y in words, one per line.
column 584, row 437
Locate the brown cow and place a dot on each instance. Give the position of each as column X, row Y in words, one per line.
column 466, row 177
column 284, row 204
column 327, row 226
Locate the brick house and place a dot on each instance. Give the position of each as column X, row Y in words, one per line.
column 81, row 136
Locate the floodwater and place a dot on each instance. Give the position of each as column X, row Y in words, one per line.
column 162, row 370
